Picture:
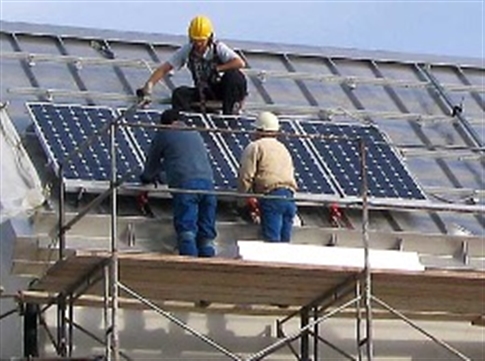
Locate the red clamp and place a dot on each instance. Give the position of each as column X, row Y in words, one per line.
column 142, row 202
column 254, row 210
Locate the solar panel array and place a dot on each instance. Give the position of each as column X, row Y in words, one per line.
column 326, row 155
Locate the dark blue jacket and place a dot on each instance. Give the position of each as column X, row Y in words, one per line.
column 181, row 154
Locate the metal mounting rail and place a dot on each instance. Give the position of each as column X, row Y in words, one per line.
column 457, row 154
column 457, row 191
column 352, row 81
column 261, row 74
column 331, row 112
column 33, row 58
column 283, row 109
column 464, row 88
column 51, row 93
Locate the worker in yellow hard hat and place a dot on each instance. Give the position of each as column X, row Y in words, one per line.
column 214, row 66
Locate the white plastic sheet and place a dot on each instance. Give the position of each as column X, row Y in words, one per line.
column 20, row 186
column 328, row 256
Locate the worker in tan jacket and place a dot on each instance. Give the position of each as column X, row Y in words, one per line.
column 266, row 167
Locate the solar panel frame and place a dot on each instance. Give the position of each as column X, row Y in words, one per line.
column 63, row 131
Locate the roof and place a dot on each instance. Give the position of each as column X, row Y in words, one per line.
column 430, row 108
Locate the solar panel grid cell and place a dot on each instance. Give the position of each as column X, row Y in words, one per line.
column 231, row 144
column 141, row 136
column 309, row 175
column 224, row 172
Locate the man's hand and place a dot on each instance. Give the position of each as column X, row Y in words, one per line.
column 145, row 93
column 248, row 209
column 254, row 210
column 215, row 76
column 144, row 180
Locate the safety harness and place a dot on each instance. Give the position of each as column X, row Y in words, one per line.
column 203, row 71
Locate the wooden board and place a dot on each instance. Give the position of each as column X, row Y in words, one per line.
column 232, row 281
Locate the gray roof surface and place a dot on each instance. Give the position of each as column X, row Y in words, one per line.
column 408, row 96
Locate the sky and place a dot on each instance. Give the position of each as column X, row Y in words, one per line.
column 435, row 27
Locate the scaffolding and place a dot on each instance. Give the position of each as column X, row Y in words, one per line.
column 340, row 289
column 358, row 289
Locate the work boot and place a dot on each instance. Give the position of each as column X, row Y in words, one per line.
column 202, row 304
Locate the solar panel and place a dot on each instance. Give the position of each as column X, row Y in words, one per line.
column 310, row 177
column 63, row 129
column 223, row 171
column 340, row 153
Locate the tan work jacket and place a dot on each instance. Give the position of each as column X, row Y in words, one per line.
column 265, row 165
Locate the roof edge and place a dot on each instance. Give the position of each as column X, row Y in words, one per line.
column 252, row 46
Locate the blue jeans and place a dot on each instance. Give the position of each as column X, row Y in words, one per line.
column 277, row 216
column 194, row 218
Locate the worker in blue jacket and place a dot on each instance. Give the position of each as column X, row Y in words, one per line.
column 182, row 156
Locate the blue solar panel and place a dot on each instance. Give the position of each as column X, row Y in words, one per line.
column 340, row 152
column 64, row 128
column 309, row 175
column 223, row 171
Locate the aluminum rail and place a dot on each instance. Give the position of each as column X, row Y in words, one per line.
column 284, row 109
column 261, row 74
column 33, row 58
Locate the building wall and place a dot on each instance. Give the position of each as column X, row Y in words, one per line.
column 146, row 335
column 11, row 326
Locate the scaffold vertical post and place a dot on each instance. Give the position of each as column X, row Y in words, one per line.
column 71, row 325
column 365, row 239
column 114, row 247
column 61, row 298
column 61, row 234
column 316, row 333
column 358, row 311
column 106, row 309
column 304, row 340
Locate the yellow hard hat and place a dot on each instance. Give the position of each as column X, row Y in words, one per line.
column 200, row 28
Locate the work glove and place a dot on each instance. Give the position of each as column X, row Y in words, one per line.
column 249, row 210
column 145, row 180
column 254, row 210
column 215, row 76
column 145, row 93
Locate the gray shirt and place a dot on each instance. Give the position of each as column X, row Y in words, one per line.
column 180, row 58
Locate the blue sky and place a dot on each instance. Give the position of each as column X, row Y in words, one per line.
column 430, row 27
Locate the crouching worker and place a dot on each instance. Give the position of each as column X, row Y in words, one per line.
column 266, row 167
column 215, row 68
column 182, row 156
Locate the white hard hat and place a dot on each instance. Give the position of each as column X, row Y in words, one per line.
column 267, row 121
